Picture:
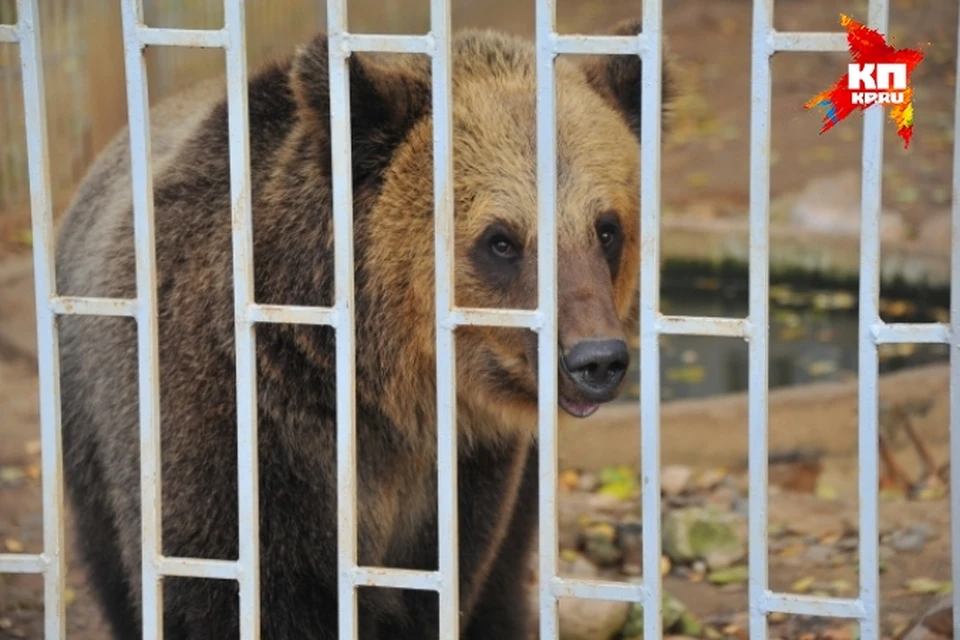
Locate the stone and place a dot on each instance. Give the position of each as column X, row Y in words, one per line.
column 591, row 619
column 698, row 533
column 588, row 482
column 913, row 538
column 674, row 479
column 674, row 617
column 831, row 204
column 819, row 555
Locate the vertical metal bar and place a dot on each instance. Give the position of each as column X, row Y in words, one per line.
column 650, row 132
column 248, row 508
column 868, row 375
column 447, row 512
column 955, row 358
column 343, row 303
column 148, row 377
column 546, row 17
column 758, row 325
column 41, row 207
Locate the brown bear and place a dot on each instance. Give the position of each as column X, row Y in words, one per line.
column 494, row 112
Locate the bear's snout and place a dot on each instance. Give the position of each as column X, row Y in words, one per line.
column 597, row 367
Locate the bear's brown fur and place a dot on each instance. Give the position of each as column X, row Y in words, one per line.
column 495, row 193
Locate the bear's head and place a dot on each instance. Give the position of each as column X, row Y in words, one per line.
column 495, row 199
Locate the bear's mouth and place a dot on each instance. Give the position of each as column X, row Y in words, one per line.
column 576, row 407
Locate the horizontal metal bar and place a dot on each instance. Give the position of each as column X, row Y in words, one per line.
column 597, row 590
column 197, row 568
column 9, row 33
column 598, row 45
column 800, row 605
column 70, row 306
column 22, row 563
column 808, row 41
column 396, row 578
column 496, row 318
column 279, row 314
column 693, row 326
column 913, row 333
column 390, row 43
column 205, row 38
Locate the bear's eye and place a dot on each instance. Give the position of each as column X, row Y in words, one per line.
column 607, row 233
column 503, row 247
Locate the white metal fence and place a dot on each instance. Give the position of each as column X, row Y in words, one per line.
column 754, row 328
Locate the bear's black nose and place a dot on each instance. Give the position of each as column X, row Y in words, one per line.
column 597, row 367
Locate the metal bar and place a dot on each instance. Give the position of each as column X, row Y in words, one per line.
column 546, row 96
column 48, row 356
column 800, row 605
column 759, row 318
column 868, row 356
column 70, row 306
column 146, row 268
column 650, row 143
column 716, row 327
column 598, row 590
column 397, row 578
column 248, row 489
column 279, row 314
column 800, row 41
column 955, row 358
column 198, row 568
column 390, row 43
column 22, row 563
column 444, row 280
column 202, row 38
column 599, row 45
column 342, row 175
column 9, row 33
column 915, row 333
column 496, row 318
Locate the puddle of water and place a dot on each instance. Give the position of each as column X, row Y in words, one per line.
column 813, row 338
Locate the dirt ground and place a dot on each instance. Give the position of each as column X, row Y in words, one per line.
column 706, row 168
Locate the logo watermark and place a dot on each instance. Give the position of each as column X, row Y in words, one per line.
column 879, row 75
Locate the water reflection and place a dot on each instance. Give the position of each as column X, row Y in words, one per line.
column 813, row 338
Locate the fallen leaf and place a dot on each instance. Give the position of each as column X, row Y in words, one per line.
column 569, row 480
column 24, row 237
column 69, row 596
column 802, row 585
column 11, row 475
column 32, row 471
column 13, row 545
column 32, row 447
column 925, row 586
column 729, row 576
column 826, row 492
column 664, row 565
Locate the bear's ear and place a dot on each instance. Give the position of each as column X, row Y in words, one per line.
column 386, row 99
column 617, row 78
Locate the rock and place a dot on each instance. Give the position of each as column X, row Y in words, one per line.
column 588, row 482
column 577, row 567
column 913, row 538
column 935, row 624
column 934, row 233
column 702, row 534
column 599, row 544
column 591, row 619
column 630, row 541
column 831, row 204
column 674, row 618
column 819, row 554
column 674, row 479
column 710, row 478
